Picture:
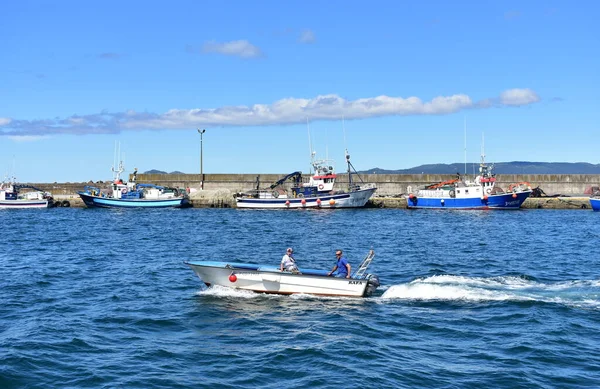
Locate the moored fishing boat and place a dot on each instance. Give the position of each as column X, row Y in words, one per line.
column 462, row 193
column 595, row 198
column 13, row 196
column 133, row 195
column 269, row 279
column 318, row 192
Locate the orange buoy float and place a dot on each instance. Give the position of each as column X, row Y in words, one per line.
column 485, row 197
column 287, row 202
column 303, row 202
column 232, row 278
column 319, row 202
column 410, row 196
column 514, row 196
column 332, row 202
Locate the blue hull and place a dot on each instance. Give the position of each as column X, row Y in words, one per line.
column 595, row 203
column 105, row 202
column 503, row 201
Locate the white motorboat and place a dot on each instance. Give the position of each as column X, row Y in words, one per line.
column 269, row 279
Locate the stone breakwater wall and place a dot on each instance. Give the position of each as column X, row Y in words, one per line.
column 220, row 188
column 388, row 185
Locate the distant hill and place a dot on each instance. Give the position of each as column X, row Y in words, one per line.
column 517, row 167
column 154, row 171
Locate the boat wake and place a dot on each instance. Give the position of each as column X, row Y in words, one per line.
column 222, row 291
column 585, row 294
column 225, row 292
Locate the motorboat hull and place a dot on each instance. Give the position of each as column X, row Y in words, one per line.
column 14, row 204
column 501, row 201
column 595, row 203
column 108, row 202
column 355, row 199
column 268, row 279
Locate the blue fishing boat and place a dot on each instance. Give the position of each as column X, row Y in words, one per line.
column 595, row 202
column 462, row 193
column 133, row 195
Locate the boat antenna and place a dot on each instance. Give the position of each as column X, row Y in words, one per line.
column 310, row 149
column 465, row 138
column 482, row 148
column 344, row 132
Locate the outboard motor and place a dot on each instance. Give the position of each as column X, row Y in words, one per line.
column 372, row 284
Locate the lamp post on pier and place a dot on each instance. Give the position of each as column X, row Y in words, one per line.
column 201, row 131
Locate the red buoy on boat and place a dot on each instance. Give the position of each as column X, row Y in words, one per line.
column 514, row 196
column 233, row 277
column 287, row 202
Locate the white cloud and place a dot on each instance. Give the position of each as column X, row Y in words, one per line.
column 289, row 110
column 517, row 97
column 240, row 48
column 307, row 36
column 5, row 121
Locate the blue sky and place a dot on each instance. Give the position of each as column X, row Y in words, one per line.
column 76, row 77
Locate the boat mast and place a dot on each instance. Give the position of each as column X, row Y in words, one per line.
column 117, row 160
column 347, row 156
column 349, row 171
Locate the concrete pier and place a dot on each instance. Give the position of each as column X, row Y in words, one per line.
column 220, row 200
column 565, row 191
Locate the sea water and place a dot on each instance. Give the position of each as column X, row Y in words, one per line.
column 98, row 298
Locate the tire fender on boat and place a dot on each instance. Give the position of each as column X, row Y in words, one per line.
column 124, row 191
column 488, row 190
column 321, row 186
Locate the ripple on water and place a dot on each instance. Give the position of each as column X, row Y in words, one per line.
column 102, row 298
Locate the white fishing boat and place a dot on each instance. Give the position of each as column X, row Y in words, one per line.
column 318, row 192
column 13, row 195
column 269, row 279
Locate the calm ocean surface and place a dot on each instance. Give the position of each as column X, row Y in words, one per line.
column 102, row 299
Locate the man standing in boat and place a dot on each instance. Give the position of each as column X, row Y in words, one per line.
column 288, row 263
column 342, row 268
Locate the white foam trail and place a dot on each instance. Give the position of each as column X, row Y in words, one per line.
column 504, row 281
column 579, row 293
column 446, row 292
